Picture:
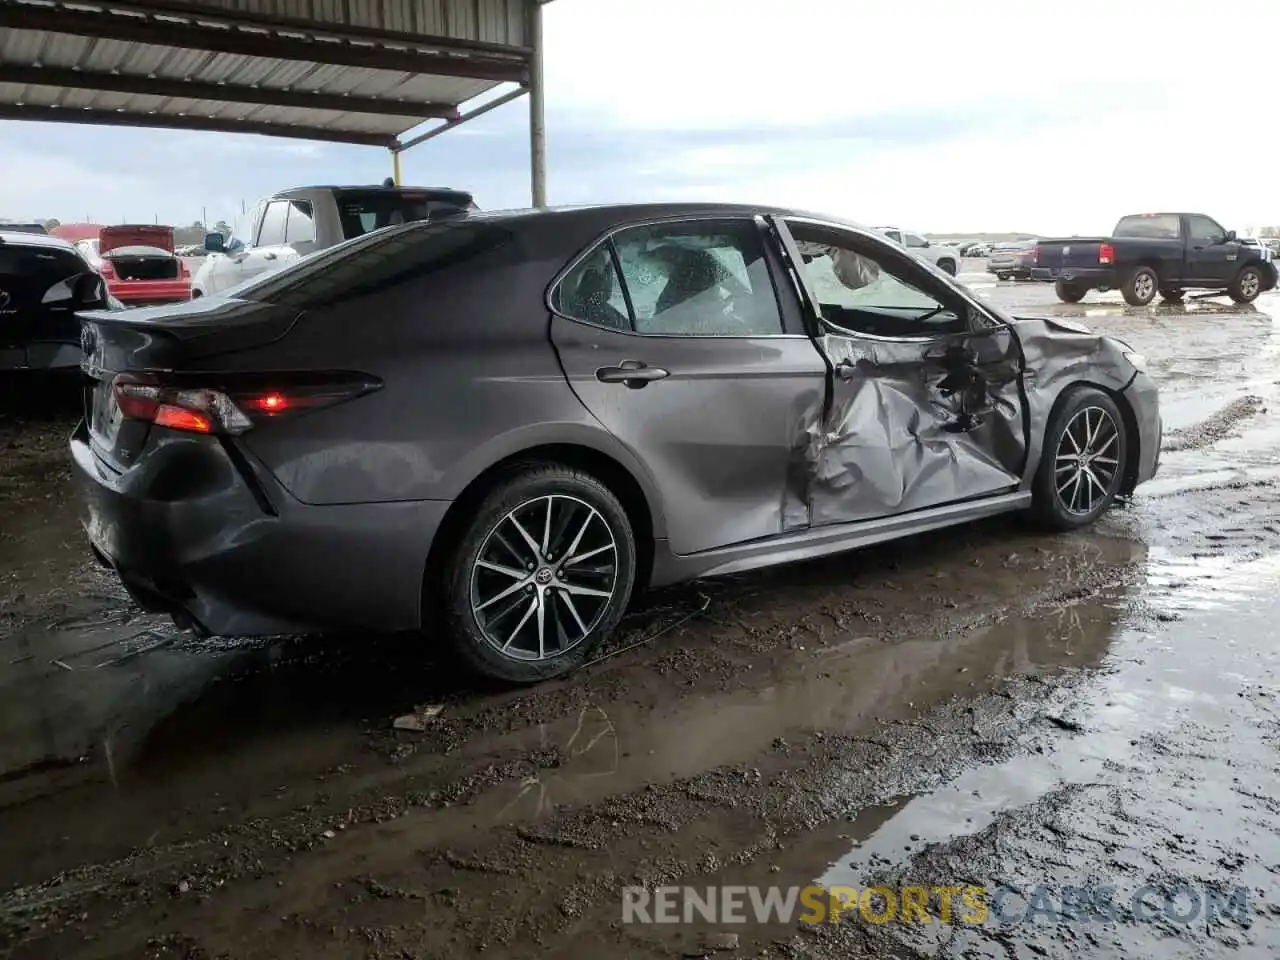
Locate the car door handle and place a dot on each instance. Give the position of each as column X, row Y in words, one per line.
column 268, row 256
column 632, row 373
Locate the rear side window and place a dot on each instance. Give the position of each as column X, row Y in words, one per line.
column 373, row 263
column 1152, row 226
column 705, row 278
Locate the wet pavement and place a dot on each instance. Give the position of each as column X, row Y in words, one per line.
column 985, row 707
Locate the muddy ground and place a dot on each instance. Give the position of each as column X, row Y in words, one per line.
column 986, row 706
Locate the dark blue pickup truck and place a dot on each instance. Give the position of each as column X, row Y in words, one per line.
column 1150, row 253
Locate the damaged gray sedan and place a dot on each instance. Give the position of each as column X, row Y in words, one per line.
column 507, row 425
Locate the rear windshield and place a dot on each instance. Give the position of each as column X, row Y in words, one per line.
column 1159, row 226
column 374, row 262
column 363, row 211
column 28, row 273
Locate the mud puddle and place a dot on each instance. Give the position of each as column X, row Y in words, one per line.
column 1151, row 781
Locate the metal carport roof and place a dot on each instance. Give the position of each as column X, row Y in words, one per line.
column 347, row 71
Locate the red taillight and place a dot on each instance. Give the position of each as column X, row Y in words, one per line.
column 231, row 407
column 183, row 270
column 179, row 418
column 1106, row 253
column 1035, row 255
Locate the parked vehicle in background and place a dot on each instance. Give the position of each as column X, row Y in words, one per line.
column 1012, row 260
column 43, row 281
column 978, row 250
column 1164, row 253
column 24, row 228
column 517, row 419
column 299, row 222
column 139, row 264
column 946, row 259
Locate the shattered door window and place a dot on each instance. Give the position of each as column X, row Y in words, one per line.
column 699, row 278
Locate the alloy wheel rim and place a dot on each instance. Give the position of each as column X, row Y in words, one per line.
column 1249, row 283
column 1088, row 461
column 544, row 577
column 1144, row 286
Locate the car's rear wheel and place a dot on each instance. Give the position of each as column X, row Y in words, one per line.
column 1139, row 288
column 1003, row 276
column 1172, row 296
column 947, row 266
column 1246, row 286
column 1082, row 463
column 1069, row 292
column 540, row 576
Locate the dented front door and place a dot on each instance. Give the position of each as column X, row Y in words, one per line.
column 911, row 421
column 917, row 424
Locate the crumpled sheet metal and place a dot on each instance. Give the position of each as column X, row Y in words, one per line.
column 1059, row 355
column 903, row 435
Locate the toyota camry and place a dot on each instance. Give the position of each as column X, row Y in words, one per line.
column 497, row 429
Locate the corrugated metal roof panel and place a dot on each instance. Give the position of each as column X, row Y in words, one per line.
column 486, row 21
column 491, row 22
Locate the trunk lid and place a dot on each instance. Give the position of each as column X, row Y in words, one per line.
column 162, row 339
column 135, row 235
column 1076, row 252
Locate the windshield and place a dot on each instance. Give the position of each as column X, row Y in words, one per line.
column 1157, row 226
column 363, row 211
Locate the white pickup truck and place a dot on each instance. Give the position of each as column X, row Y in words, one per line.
column 945, row 258
column 294, row 223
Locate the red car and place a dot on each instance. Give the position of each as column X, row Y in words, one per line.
column 138, row 263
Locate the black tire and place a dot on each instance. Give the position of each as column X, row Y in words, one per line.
column 1069, row 292
column 1247, row 285
column 1062, row 509
column 1172, row 296
column 195, row 294
column 1002, row 276
column 947, row 267
column 1140, row 286
column 525, row 489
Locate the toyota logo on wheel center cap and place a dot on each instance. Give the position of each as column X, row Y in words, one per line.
column 543, row 576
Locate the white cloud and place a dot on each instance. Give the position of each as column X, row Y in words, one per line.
column 999, row 114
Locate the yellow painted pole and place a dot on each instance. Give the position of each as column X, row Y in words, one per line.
column 395, row 166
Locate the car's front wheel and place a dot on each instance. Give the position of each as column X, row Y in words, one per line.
column 1082, row 463
column 1246, row 286
column 540, row 576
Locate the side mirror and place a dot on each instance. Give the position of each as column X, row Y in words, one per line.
column 928, row 244
column 214, row 243
column 1231, row 237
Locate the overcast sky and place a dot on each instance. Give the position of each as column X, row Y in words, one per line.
column 943, row 116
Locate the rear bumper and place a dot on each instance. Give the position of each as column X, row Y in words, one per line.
column 1017, row 268
column 147, row 292
column 192, row 533
column 1088, row 276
